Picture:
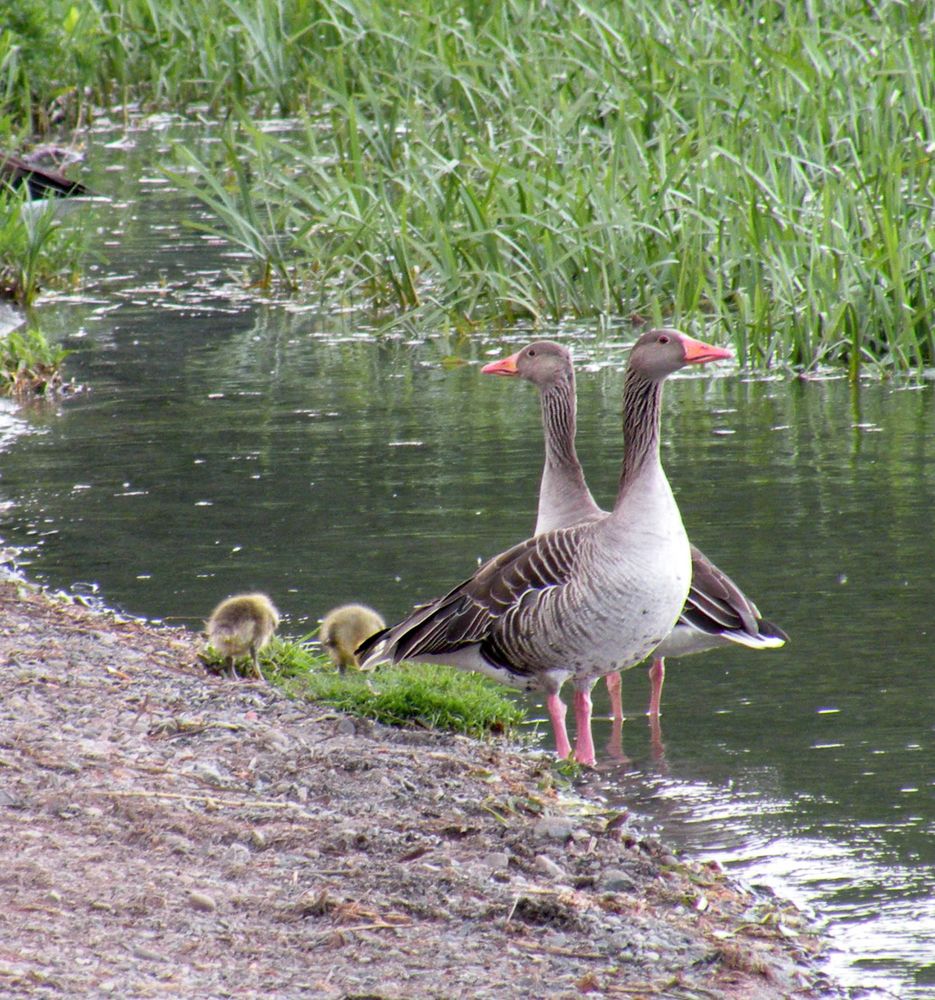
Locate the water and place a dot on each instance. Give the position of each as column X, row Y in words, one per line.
column 225, row 443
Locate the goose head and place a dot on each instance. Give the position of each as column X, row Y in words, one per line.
column 659, row 353
column 544, row 363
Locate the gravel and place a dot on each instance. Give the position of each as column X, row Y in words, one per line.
column 168, row 833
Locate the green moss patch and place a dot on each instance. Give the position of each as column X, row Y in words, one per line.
column 420, row 694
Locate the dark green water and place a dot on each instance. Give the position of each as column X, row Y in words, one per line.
column 224, row 444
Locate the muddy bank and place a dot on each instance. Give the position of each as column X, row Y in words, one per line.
column 166, row 833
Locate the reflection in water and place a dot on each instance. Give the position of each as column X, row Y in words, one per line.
column 226, row 444
column 874, row 900
column 856, row 889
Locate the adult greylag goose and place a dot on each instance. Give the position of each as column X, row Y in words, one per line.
column 576, row 602
column 344, row 628
column 242, row 625
column 716, row 612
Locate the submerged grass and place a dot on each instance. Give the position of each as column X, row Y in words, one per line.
column 755, row 166
column 435, row 697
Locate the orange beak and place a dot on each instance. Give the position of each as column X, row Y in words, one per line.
column 505, row 366
column 697, row 352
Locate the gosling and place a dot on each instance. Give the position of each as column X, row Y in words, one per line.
column 243, row 625
column 343, row 629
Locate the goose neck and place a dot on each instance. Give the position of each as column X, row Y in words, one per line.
column 559, row 420
column 642, row 407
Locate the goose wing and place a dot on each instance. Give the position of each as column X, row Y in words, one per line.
column 481, row 610
column 717, row 606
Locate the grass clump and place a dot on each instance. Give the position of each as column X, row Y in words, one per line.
column 29, row 365
column 36, row 251
column 434, row 697
column 759, row 167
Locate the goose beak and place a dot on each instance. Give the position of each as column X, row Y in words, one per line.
column 697, row 352
column 505, row 366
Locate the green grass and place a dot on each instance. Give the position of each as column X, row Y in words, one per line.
column 756, row 171
column 29, row 365
column 36, row 251
column 434, row 697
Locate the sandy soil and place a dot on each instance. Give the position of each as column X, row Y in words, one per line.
column 164, row 833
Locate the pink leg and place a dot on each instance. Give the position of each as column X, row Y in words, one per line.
column 657, row 674
column 656, row 745
column 616, row 701
column 556, row 709
column 584, row 745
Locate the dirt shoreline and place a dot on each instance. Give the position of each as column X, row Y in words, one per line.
column 164, row 833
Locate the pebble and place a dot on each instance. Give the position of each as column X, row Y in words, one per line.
column 615, row 880
column 554, row 828
column 496, row 861
column 238, row 854
column 549, row 867
column 202, row 901
column 346, row 727
column 209, row 771
column 147, row 953
column 177, row 843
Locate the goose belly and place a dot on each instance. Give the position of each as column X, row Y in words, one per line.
column 684, row 640
column 470, row 658
column 616, row 614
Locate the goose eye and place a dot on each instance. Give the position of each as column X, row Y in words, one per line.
column 531, row 354
column 663, row 339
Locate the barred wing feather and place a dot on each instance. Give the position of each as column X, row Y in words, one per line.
column 477, row 610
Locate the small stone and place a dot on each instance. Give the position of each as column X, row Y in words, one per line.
column 497, row 861
column 238, row 854
column 615, row 880
column 147, row 953
column 202, row 901
column 554, row 828
column 258, row 838
column 209, row 772
column 346, row 727
column 177, row 843
column 549, row 867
